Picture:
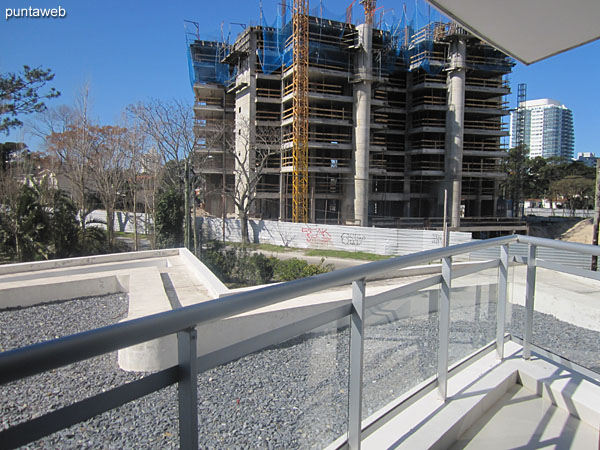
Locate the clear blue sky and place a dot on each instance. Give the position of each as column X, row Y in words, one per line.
column 132, row 50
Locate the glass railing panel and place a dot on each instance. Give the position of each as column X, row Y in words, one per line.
column 472, row 313
column 400, row 347
column 290, row 395
column 515, row 289
column 566, row 315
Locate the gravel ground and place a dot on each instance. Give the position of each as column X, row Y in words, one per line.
column 293, row 395
column 577, row 344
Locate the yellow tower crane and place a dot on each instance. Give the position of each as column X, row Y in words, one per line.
column 300, row 112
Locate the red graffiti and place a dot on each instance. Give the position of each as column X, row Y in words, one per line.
column 317, row 236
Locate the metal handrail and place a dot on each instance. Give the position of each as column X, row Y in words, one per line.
column 37, row 358
column 560, row 245
column 16, row 364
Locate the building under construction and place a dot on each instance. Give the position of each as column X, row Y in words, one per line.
column 394, row 116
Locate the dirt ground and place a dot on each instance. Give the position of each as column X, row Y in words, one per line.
column 573, row 230
column 580, row 232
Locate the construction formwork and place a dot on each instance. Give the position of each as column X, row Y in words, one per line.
column 408, row 113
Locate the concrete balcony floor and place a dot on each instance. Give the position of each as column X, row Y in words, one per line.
column 494, row 404
column 533, row 422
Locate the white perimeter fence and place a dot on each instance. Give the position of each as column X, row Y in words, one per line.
column 556, row 212
column 123, row 221
column 382, row 241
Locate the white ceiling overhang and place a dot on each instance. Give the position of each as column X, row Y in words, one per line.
column 527, row 30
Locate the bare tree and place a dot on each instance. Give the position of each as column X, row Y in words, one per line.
column 53, row 120
column 170, row 127
column 135, row 149
column 253, row 150
column 151, row 175
column 107, row 165
column 11, row 182
column 70, row 141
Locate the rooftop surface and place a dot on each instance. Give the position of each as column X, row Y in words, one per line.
column 295, row 391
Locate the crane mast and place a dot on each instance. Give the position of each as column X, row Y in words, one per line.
column 300, row 112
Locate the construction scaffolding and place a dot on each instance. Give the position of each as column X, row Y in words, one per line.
column 313, row 108
column 205, row 56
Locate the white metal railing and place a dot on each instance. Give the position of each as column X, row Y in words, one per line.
column 43, row 357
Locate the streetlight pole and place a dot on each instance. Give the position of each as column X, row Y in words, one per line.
column 186, row 204
column 596, row 215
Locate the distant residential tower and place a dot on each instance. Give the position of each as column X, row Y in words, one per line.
column 548, row 129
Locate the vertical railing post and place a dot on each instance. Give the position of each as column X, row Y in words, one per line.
column 188, row 389
column 355, row 382
column 444, row 327
column 529, row 296
column 502, row 297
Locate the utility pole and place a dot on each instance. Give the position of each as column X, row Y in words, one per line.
column 186, row 204
column 224, row 174
column 596, row 215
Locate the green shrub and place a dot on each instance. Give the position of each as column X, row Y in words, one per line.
column 294, row 268
column 64, row 226
column 44, row 225
column 92, row 241
column 260, row 269
column 220, row 260
column 236, row 265
column 169, row 218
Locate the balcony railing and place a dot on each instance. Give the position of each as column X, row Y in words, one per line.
column 48, row 356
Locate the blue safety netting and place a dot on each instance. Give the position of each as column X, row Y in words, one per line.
column 419, row 52
column 408, row 40
column 275, row 53
column 205, row 53
column 394, row 30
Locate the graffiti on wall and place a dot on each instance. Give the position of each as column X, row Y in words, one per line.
column 317, row 236
column 437, row 239
column 352, row 239
column 376, row 240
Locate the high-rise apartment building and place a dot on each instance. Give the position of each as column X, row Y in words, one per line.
column 396, row 117
column 548, row 129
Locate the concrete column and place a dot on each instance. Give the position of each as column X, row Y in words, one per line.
column 283, row 176
column 282, row 196
column 495, row 200
column 407, row 146
column 362, row 124
column 312, row 211
column 245, row 117
column 346, row 203
column 455, row 126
